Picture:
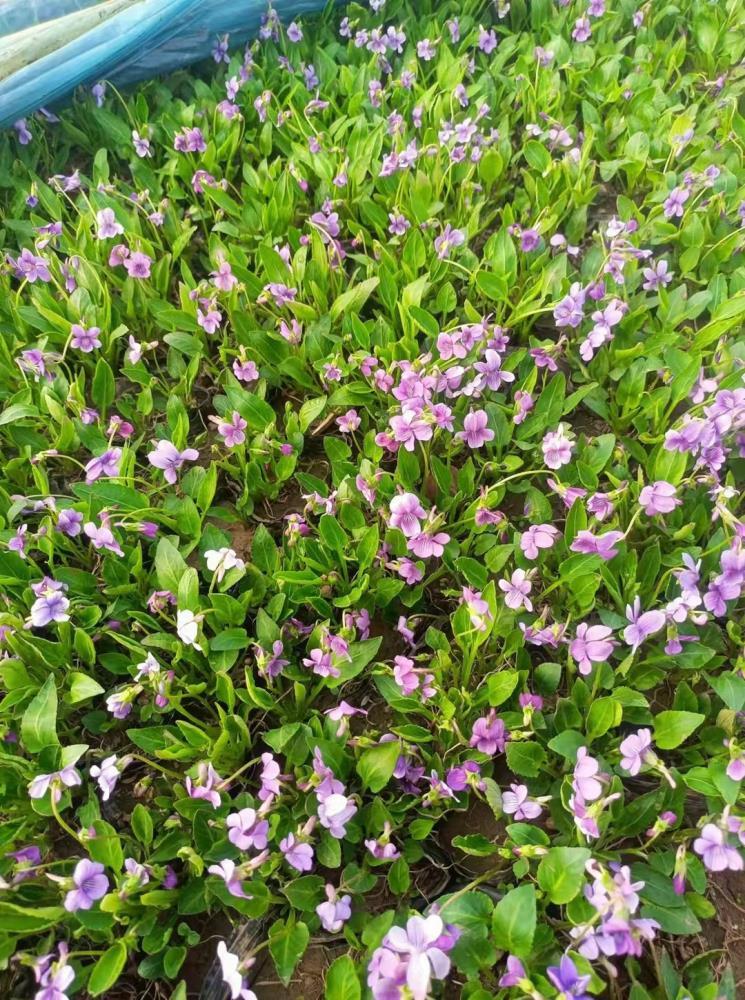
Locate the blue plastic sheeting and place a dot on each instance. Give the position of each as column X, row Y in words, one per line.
column 148, row 38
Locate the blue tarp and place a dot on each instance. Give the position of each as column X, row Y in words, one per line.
column 141, row 39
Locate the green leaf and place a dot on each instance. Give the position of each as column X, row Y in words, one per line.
column 142, row 824
column 169, row 565
column 39, row 722
column 604, row 714
column 103, row 389
column 500, row 686
column 21, row 920
column 673, row 728
column 561, row 873
column 475, row 844
column 342, row 982
column 107, row 969
column 264, row 552
column 306, row 892
column 514, row 921
column 525, row 758
column 354, row 298
column 376, row 765
column 82, row 687
column 287, row 943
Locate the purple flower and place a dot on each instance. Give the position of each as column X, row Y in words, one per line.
column 659, row 498
column 22, row 132
column 106, row 464
column 281, row 294
column 569, row 312
column 673, row 206
column 487, row 41
column 102, row 537
column 168, row 458
column 515, row 973
column 297, row 853
column 406, row 510
column 189, row 140
column 475, row 432
column 592, row 644
column 32, row 268
column 657, row 276
column 599, row 545
column 141, row 144
column 137, row 265
column 90, row 884
column 448, row 239
column 40, row 785
column 636, row 750
column 232, row 876
column 335, row 912
column 489, row 734
column 581, row 31
column 50, row 606
column 568, row 981
column 642, row 625
column 716, row 854
column 529, row 240
column 538, row 536
column 246, row 830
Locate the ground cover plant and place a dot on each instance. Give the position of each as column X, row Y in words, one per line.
column 372, row 429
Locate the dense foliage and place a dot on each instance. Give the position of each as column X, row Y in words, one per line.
column 372, row 431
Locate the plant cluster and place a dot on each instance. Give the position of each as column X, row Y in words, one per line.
column 372, row 431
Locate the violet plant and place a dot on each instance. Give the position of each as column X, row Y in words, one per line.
column 372, row 425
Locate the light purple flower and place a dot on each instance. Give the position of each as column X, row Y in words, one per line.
column 137, row 265
column 599, row 545
column 585, row 780
column 168, row 458
column 715, row 852
column 641, row 625
column 419, row 946
column 516, row 590
column 675, row 201
column 108, row 227
column 335, row 912
column 659, row 498
column 517, row 802
column 568, row 981
column 90, row 884
column 246, row 830
column 557, row 448
column 297, row 853
column 448, row 239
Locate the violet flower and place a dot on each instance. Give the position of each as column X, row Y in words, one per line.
column 90, row 884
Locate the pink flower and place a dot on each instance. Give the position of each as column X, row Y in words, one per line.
column 538, row 536
column 636, row 750
column 233, row 431
column 641, row 625
column 585, row 781
column 348, row 422
column 475, row 433
column 489, row 734
column 557, row 448
column 592, row 644
column 406, row 510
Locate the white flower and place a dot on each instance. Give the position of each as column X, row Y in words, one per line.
column 231, row 975
column 221, row 560
column 187, row 627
